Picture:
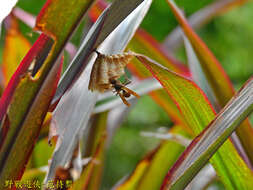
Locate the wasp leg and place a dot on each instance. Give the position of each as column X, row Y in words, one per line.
column 124, row 99
column 116, row 92
column 131, row 92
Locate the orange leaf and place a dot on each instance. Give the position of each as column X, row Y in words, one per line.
column 15, row 48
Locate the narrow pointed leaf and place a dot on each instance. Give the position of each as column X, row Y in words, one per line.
column 155, row 165
column 66, row 22
column 30, row 21
column 200, row 79
column 33, row 174
column 70, row 117
column 25, row 114
column 44, row 43
column 162, row 161
column 198, row 113
column 208, row 141
column 97, row 140
column 144, row 43
column 65, row 13
column 216, row 76
column 95, row 149
column 198, row 75
column 206, row 57
column 15, row 48
column 22, row 126
column 133, row 180
column 200, row 18
column 83, row 181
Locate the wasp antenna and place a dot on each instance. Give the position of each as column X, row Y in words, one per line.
column 127, row 80
column 124, row 99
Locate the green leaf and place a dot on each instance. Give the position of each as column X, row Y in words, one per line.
column 23, row 126
column 65, row 13
column 207, row 143
column 60, row 12
column 91, row 174
column 133, row 180
column 25, row 114
column 218, row 80
column 33, row 174
column 198, row 113
column 164, row 158
column 143, row 43
column 97, row 140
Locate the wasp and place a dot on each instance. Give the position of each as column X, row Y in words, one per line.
column 122, row 90
column 106, row 71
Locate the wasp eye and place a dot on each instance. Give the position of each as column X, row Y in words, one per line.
column 113, row 81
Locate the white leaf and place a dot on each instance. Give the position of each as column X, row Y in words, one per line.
column 75, row 107
column 6, row 7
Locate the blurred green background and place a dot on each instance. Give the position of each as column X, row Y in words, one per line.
column 229, row 36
